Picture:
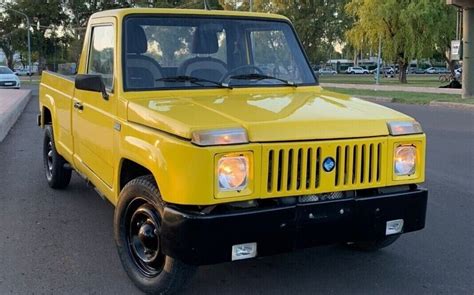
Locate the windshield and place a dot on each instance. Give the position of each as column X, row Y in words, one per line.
column 5, row 70
column 176, row 52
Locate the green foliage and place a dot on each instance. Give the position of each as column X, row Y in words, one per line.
column 409, row 29
column 320, row 23
column 44, row 41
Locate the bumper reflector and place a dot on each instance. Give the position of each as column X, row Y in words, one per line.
column 394, row 227
column 244, row 251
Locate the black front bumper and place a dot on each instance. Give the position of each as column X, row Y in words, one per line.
column 207, row 239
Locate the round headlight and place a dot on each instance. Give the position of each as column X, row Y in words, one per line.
column 232, row 173
column 405, row 160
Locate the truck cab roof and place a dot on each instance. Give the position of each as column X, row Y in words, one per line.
column 121, row 13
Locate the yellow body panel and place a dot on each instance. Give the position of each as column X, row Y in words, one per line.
column 153, row 129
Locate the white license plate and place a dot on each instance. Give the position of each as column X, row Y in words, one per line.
column 8, row 84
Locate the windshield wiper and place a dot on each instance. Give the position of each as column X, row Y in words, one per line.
column 256, row 76
column 191, row 79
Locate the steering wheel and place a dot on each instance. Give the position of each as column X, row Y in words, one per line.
column 245, row 69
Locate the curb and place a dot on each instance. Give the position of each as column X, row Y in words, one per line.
column 8, row 119
column 454, row 105
column 375, row 98
column 406, row 88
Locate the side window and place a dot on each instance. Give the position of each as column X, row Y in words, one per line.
column 101, row 56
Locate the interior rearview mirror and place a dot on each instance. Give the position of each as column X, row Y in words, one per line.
column 93, row 83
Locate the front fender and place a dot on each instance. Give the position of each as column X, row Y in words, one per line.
column 185, row 173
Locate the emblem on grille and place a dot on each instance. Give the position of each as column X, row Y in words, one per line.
column 329, row 164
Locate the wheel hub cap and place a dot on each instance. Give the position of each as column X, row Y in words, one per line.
column 144, row 240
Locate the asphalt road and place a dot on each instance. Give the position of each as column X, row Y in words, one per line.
column 61, row 241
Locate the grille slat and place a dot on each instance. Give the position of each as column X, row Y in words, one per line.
column 284, row 171
column 311, row 181
column 294, row 170
column 348, row 166
column 318, row 168
column 366, row 148
column 304, row 170
column 297, row 168
column 356, row 166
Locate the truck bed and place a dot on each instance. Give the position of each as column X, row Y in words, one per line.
column 56, row 94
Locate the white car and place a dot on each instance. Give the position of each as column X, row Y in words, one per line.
column 436, row 70
column 357, row 70
column 23, row 73
column 327, row 71
column 8, row 79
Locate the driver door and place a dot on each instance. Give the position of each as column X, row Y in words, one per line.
column 93, row 115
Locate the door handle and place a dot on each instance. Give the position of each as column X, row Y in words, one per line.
column 78, row 106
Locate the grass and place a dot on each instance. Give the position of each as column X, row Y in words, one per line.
column 414, row 80
column 27, row 82
column 404, row 97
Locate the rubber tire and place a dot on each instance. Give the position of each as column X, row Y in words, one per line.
column 372, row 246
column 175, row 273
column 60, row 176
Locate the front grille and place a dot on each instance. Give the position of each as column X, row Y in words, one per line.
column 358, row 164
column 296, row 168
column 7, row 83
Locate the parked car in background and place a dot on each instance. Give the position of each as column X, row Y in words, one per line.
column 436, row 70
column 8, row 79
column 23, row 72
column 419, row 71
column 389, row 71
column 327, row 71
column 356, row 70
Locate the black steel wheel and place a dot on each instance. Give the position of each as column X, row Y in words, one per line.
column 57, row 175
column 137, row 229
column 143, row 237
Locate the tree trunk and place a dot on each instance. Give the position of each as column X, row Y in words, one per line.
column 451, row 63
column 402, row 75
column 8, row 55
column 10, row 60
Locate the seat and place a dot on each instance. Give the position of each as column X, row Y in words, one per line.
column 141, row 71
column 204, row 42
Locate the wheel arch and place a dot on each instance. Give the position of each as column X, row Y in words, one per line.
column 46, row 116
column 129, row 170
column 47, row 109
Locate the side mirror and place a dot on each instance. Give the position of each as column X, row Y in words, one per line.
column 91, row 83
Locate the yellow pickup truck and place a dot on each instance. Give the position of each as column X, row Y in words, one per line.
column 209, row 133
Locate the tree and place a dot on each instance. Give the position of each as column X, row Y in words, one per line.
column 442, row 35
column 319, row 23
column 79, row 12
column 45, row 39
column 409, row 29
column 13, row 35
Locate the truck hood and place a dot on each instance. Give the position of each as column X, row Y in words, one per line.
column 8, row 77
column 287, row 114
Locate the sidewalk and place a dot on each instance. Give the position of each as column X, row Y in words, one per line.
column 12, row 103
column 394, row 88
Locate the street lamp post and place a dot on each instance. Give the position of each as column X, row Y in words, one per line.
column 378, row 60
column 29, row 38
